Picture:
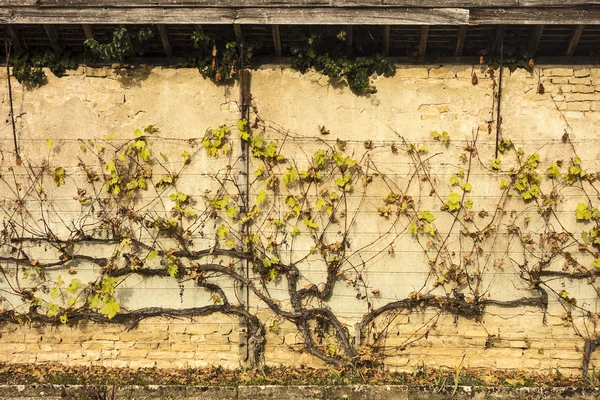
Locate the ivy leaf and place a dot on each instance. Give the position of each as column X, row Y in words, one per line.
column 426, row 215
column 49, row 143
column 596, row 263
column 260, row 199
column 310, row 223
column 110, row 307
column 222, row 231
column 152, row 255
column 553, row 172
column 583, row 213
column 58, row 175
column 412, row 228
column 74, row 285
column 186, row 157
column 93, row 301
column 137, row 133
column 496, row 163
column 232, row 212
column 466, row 187
column 503, row 183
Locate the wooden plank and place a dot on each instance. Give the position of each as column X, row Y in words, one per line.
column 449, row 3
column 164, row 38
column 179, row 3
column 89, row 31
column 276, row 40
column 535, row 40
column 574, row 39
column 423, row 41
column 55, row 40
column 290, row 3
column 14, row 38
column 386, row 40
column 303, row 3
column 556, row 3
column 242, row 16
column 535, row 16
column 460, row 41
column 354, row 16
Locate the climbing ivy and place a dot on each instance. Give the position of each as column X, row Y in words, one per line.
column 124, row 42
column 326, row 52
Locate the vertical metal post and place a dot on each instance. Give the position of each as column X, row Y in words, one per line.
column 246, row 354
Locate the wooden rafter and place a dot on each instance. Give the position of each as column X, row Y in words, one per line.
column 460, row 41
column 386, row 40
column 423, row 41
column 164, row 38
column 535, row 40
column 276, row 40
column 574, row 41
column 14, row 38
column 89, row 31
column 55, row 40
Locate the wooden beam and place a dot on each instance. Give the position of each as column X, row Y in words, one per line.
column 386, row 40
column 423, row 41
column 14, row 39
column 534, row 16
column 89, row 31
column 575, row 36
column 349, row 40
column 535, row 40
column 54, row 37
column 460, row 41
column 237, row 30
column 499, row 38
column 242, row 16
column 164, row 38
column 303, row 3
column 276, row 40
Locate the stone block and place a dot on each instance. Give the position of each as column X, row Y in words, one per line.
column 558, row 72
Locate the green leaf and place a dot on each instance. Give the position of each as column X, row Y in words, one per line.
column 553, row 172
column 93, row 301
column 583, row 213
column 426, row 215
column 164, row 156
column 49, row 143
column 454, row 180
column 186, row 157
column 466, row 187
column 110, row 307
column 412, row 228
column 137, row 133
column 596, row 263
column 63, row 318
column 310, row 223
column 58, row 175
column 152, row 255
column 232, row 212
column 320, row 204
column 74, row 285
column 503, row 183
column 262, row 195
column 496, row 163
column 222, row 231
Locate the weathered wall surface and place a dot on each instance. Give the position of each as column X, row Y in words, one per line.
column 93, row 104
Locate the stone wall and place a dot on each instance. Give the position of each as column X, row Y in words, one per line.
column 96, row 103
